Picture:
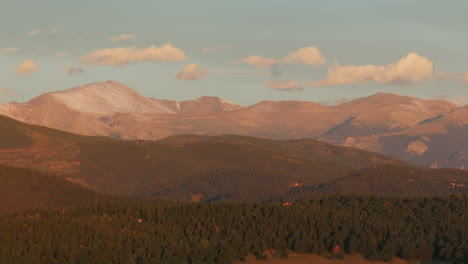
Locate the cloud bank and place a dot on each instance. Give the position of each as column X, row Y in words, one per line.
column 27, row 67
column 465, row 77
column 191, row 71
column 123, row 37
column 126, row 55
column 290, row 85
column 409, row 70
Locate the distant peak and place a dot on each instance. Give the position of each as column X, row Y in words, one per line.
column 107, row 84
column 206, row 98
column 110, row 82
column 286, row 102
column 105, row 98
column 385, row 94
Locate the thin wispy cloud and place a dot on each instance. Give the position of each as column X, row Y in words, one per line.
column 444, row 76
column 27, row 67
column 454, row 77
column 257, row 61
column 126, row 55
column 8, row 50
column 192, row 71
column 34, row 32
column 123, row 37
column 276, row 70
column 411, row 69
column 460, row 101
column 59, row 54
column 336, row 101
column 7, row 92
column 73, row 70
column 56, row 29
column 243, row 72
column 216, row 48
column 290, row 85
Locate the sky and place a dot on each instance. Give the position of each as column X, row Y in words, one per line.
column 244, row 51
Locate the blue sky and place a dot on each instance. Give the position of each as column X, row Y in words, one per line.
column 347, row 34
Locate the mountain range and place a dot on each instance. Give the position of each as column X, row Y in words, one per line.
column 425, row 132
column 43, row 167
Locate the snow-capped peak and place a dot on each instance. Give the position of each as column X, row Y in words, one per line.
column 107, row 98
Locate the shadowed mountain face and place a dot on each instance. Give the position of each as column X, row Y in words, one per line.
column 203, row 168
column 426, row 132
column 27, row 189
column 436, row 142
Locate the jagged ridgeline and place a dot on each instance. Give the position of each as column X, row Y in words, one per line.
column 157, row 232
column 419, row 131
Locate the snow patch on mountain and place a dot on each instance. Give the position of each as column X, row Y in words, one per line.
column 107, row 98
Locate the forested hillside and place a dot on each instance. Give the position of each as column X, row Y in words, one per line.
column 201, row 168
column 158, row 232
column 26, row 189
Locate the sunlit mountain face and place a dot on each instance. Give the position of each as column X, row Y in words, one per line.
column 426, row 132
column 228, row 132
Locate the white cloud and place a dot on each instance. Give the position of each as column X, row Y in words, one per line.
column 123, row 37
column 257, row 61
column 216, row 48
column 8, row 50
column 123, row 56
column 409, row 70
column 27, row 67
column 34, row 32
column 73, row 70
column 306, row 56
column 290, row 85
column 192, row 72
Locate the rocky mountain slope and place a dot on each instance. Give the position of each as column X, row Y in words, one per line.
column 426, row 132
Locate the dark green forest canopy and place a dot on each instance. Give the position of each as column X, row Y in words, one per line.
column 148, row 231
